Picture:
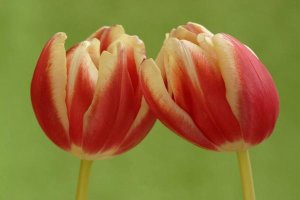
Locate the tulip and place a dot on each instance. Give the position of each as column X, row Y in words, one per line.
column 213, row 91
column 88, row 100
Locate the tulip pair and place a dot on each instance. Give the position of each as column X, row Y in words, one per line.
column 210, row 89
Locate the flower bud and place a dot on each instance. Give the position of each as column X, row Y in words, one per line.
column 211, row 90
column 88, row 100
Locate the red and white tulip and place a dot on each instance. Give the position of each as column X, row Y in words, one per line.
column 88, row 100
column 211, row 89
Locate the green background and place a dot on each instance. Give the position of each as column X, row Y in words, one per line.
column 163, row 166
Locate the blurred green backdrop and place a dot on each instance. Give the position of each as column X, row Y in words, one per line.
column 163, row 166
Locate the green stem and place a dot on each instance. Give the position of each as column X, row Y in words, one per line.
column 246, row 175
column 83, row 179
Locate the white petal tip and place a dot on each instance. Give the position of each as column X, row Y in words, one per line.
column 204, row 37
column 167, row 36
column 85, row 44
column 118, row 26
column 219, row 36
column 148, row 61
column 61, row 36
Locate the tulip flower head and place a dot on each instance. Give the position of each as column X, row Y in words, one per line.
column 88, row 100
column 211, row 90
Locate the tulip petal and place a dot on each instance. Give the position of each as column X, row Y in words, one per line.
column 139, row 128
column 107, row 35
column 214, row 93
column 196, row 28
column 255, row 96
column 135, row 49
column 225, row 57
column 48, row 91
column 94, row 52
column 82, row 79
column 199, row 89
column 189, row 32
column 115, row 103
column 166, row 109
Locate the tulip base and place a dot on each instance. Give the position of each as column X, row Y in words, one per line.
column 246, row 175
column 83, row 179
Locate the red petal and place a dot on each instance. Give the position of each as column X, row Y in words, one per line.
column 166, row 109
column 107, row 35
column 189, row 32
column 82, row 79
column 114, row 106
column 196, row 28
column 48, row 91
column 259, row 98
column 214, row 93
column 139, row 128
column 199, row 89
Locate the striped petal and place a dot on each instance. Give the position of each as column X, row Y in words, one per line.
column 48, row 91
column 107, row 34
column 135, row 50
column 250, row 89
column 139, row 128
column 198, row 88
column 189, row 32
column 115, row 103
column 164, row 107
column 82, row 79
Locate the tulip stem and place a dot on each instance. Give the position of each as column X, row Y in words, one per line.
column 83, row 179
column 246, row 175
